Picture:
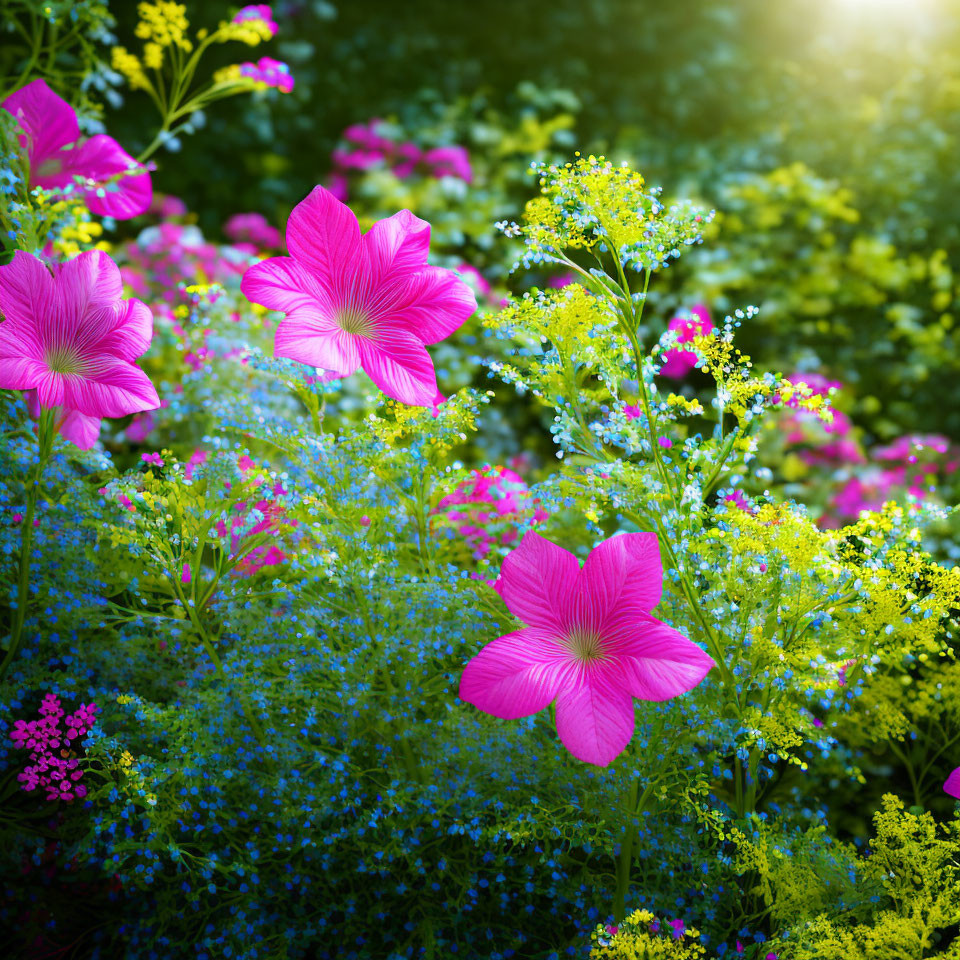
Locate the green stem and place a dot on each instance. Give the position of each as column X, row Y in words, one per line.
column 45, row 432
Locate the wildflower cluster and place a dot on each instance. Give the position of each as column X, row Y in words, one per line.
column 595, row 206
column 54, row 762
column 166, row 68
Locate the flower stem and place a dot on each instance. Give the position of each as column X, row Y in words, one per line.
column 45, row 432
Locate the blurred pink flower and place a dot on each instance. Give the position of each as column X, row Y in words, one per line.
column 487, row 507
column 257, row 12
column 449, row 162
column 589, row 643
column 254, row 228
column 476, row 280
column 361, row 300
column 269, row 72
column 678, row 362
column 69, row 335
column 115, row 185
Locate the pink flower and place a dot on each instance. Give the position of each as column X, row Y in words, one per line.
column 254, row 228
column 257, row 12
column 677, row 362
column 71, row 337
column 589, row 643
column 449, row 162
column 952, row 785
column 154, row 459
column 140, row 427
column 53, row 764
column 269, row 73
column 739, row 501
column 361, row 300
column 486, row 508
column 197, row 459
column 57, row 155
column 478, row 282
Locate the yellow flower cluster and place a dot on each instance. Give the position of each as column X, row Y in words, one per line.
column 914, row 864
column 251, row 32
column 587, row 201
column 165, row 24
column 642, row 937
column 130, row 66
column 567, row 317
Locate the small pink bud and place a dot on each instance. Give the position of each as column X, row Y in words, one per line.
column 364, row 521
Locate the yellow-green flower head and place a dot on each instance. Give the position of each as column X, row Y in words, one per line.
column 595, row 204
column 165, row 24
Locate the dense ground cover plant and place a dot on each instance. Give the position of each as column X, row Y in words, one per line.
column 298, row 665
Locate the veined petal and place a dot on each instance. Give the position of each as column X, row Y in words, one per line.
column 655, row 662
column 595, row 722
column 127, row 330
column 86, row 285
column 48, row 121
column 123, row 189
column 280, row 283
column 27, row 293
column 398, row 244
column 79, row 429
column 538, row 581
column 324, row 236
column 18, row 372
column 108, row 387
column 317, row 342
column 620, row 578
column 400, row 366
column 515, row 675
column 431, row 303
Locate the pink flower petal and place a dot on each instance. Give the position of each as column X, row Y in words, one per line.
column 27, row 292
column 80, row 430
column 108, row 387
column 656, row 662
column 398, row 244
column 318, row 343
column 431, row 303
column 595, row 722
column 515, row 675
column 324, row 236
column 538, row 582
column 398, row 364
column 123, row 188
column 952, row 785
column 48, row 121
column 621, row 578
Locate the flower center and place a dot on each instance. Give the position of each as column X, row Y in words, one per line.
column 63, row 360
column 586, row 645
column 50, row 167
column 354, row 321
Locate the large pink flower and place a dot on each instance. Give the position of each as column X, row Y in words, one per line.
column 57, row 155
column 590, row 643
column 361, row 300
column 68, row 337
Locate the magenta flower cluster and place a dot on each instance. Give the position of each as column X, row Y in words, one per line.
column 368, row 145
column 487, row 508
column 257, row 12
column 54, row 765
column 271, row 73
